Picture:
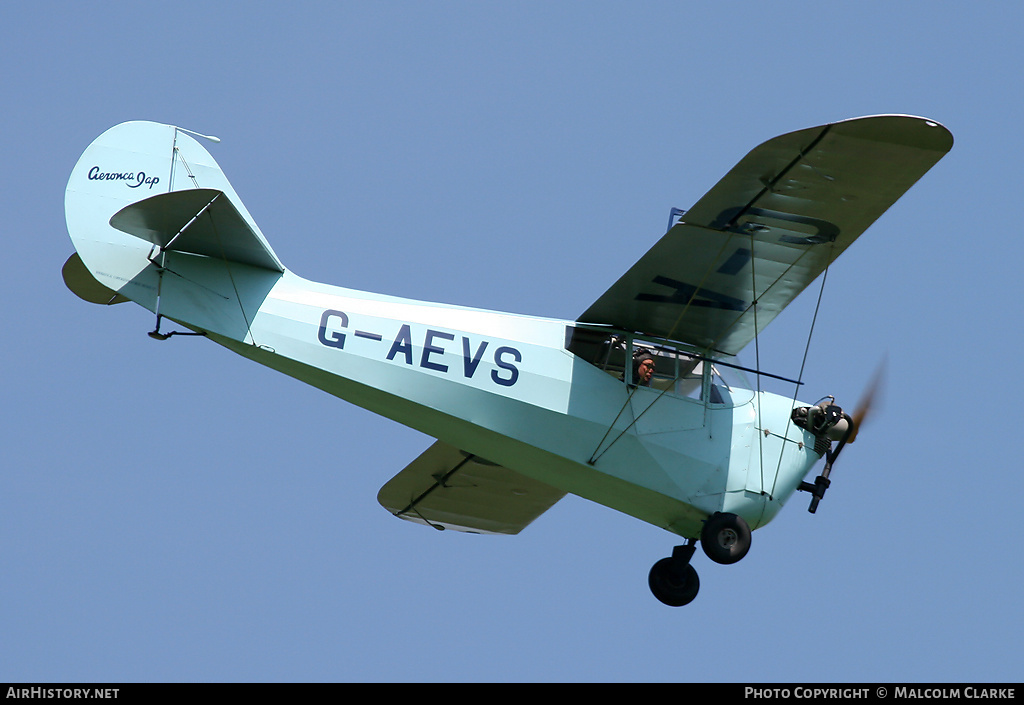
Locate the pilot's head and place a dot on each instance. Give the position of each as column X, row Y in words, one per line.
column 643, row 368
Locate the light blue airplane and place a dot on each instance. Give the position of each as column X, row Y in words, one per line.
column 638, row 404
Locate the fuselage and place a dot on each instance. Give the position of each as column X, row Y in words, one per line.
column 506, row 388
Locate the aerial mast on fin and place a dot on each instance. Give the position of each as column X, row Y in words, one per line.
column 198, row 134
column 175, row 155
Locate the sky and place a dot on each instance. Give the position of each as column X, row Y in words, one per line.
column 172, row 512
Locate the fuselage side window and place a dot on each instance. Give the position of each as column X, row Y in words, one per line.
column 636, row 362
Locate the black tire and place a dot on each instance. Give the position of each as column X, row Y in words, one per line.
column 725, row 538
column 673, row 583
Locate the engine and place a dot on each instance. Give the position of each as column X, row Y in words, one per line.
column 825, row 420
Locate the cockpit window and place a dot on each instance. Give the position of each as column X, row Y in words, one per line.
column 618, row 354
column 677, row 372
column 679, row 369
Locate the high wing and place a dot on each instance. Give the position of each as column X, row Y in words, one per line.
column 768, row 229
column 449, row 489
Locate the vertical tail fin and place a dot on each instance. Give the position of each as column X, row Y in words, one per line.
column 153, row 218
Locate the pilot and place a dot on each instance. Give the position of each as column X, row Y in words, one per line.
column 643, row 368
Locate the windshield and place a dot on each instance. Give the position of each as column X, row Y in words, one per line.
column 729, row 386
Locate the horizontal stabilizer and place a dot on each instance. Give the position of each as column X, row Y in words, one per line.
column 198, row 221
column 84, row 285
column 449, row 489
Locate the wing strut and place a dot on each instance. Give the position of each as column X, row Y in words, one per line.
column 803, row 364
column 757, row 333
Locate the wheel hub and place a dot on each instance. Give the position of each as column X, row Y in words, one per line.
column 727, row 538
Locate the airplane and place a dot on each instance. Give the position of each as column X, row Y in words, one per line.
column 639, row 404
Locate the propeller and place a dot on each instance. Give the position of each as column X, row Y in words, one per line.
column 868, row 401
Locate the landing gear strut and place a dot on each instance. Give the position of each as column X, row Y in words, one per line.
column 725, row 539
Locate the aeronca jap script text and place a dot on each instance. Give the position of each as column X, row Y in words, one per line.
column 132, row 179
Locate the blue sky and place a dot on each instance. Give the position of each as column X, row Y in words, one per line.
column 171, row 512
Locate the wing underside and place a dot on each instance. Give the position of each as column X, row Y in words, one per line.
column 449, row 489
column 768, row 229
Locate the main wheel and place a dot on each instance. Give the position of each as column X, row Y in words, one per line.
column 725, row 538
column 673, row 583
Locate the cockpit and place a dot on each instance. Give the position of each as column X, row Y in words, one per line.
column 679, row 369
